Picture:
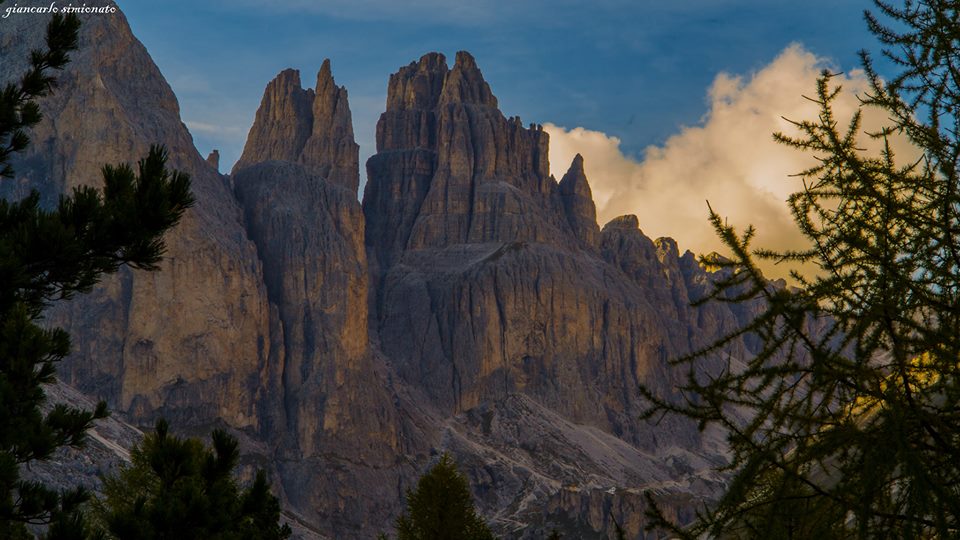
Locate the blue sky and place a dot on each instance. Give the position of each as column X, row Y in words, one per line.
column 635, row 70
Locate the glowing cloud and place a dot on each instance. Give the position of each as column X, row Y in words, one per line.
column 730, row 160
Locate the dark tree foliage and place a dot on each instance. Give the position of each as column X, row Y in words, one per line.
column 177, row 488
column 19, row 110
column 47, row 255
column 853, row 421
column 441, row 508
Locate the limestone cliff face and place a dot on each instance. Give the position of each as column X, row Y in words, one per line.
column 491, row 282
column 309, row 231
column 466, row 173
column 497, row 296
column 309, row 235
column 192, row 340
column 311, row 127
column 672, row 282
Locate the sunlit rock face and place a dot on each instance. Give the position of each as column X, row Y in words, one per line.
column 496, row 296
column 192, row 341
column 471, row 304
column 338, row 439
column 257, row 317
column 311, row 127
column 493, row 277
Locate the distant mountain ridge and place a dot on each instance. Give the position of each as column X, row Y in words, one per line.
column 469, row 304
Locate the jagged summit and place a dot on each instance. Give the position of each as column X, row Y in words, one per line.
column 628, row 221
column 311, row 127
column 577, row 164
column 429, row 82
column 417, row 85
column 325, row 75
column 452, row 169
column 283, row 123
column 578, row 203
column 465, row 84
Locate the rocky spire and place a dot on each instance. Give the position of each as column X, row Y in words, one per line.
column 419, row 84
column 578, row 203
column 465, row 84
column 214, row 159
column 412, row 97
column 451, row 169
column 331, row 149
column 311, row 127
column 283, row 123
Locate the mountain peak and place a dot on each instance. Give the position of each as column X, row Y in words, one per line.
column 469, row 174
column 432, row 61
column 324, row 77
column 287, row 78
column 465, row 84
column 214, row 159
column 418, row 85
column 578, row 202
column 465, row 60
column 574, row 182
column 577, row 163
column 628, row 221
column 331, row 149
column 312, row 128
column 282, row 124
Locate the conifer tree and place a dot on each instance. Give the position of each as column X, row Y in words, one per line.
column 52, row 254
column 441, row 508
column 852, row 423
column 178, row 488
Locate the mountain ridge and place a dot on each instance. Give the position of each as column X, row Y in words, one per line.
column 470, row 303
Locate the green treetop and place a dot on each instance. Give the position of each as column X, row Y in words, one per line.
column 177, row 488
column 441, row 508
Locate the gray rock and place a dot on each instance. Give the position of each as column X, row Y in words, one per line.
column 578, row 203
column 213, row 159
column 189, row 341
column 310, row 127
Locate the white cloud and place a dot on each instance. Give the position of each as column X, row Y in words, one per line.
column 730, row 160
